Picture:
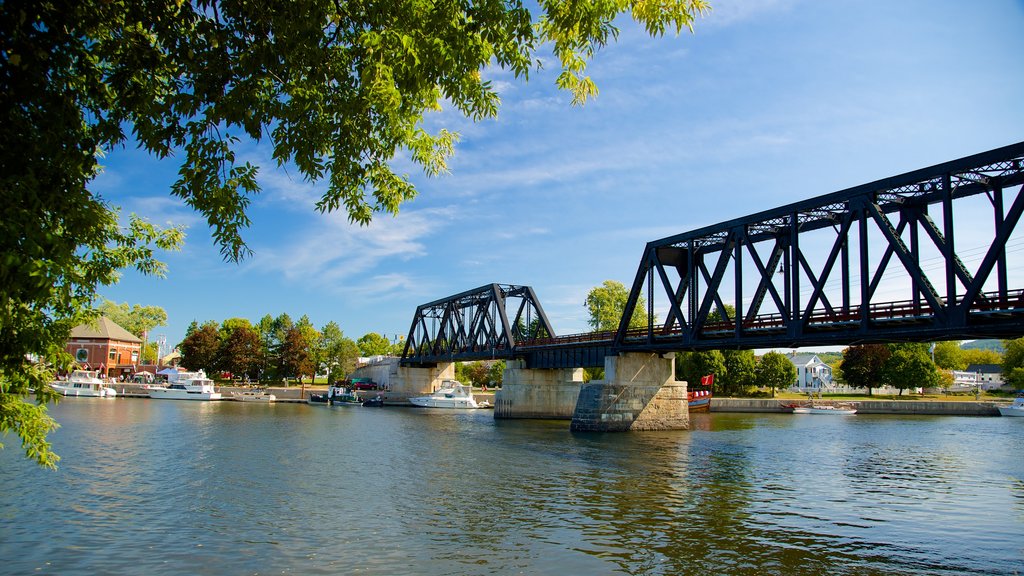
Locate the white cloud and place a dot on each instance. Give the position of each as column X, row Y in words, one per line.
column 728, row 12
column 332, row 250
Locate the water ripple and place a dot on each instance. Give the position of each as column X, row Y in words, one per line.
column 171, row 488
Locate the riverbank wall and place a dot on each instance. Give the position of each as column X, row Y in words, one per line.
column 931, row 408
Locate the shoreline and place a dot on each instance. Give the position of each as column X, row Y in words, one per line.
column 294, row 394
column 911, row 407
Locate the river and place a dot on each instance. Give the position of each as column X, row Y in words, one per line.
column 164, row 487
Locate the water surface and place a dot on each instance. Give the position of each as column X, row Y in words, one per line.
column 163, row 487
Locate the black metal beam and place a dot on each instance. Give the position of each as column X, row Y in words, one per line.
column 806, row 309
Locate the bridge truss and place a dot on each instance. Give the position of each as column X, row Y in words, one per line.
column 879, row 262
column 475, row 325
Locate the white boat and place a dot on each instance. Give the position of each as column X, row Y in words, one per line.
column 254, row 396
column 191, row 387
column 84, row 383
column 824, row 409
column 1015, row 409
column 451, row 395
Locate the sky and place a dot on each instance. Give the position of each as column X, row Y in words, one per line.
column 768, row 102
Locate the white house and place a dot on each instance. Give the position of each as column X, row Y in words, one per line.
column 990, row 376
column 964, row 380
column 812, row 375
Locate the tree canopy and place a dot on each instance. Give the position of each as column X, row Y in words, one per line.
column 373, row 344
column 607, row 303
column 338, row 89
column 863, row 365
column 775, row 371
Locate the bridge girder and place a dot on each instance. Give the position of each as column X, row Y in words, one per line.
column 475, row 325
column 817, row 272
column 815, row 269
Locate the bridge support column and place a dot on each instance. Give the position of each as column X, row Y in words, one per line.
column 533, row 393
column 409, row 381
column 639, row 392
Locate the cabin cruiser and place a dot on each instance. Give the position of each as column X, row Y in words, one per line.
column 84, row 383
column 192, row 386
column 1015, row 409
column 452, row 394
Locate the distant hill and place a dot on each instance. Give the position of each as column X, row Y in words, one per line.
column 996, row 345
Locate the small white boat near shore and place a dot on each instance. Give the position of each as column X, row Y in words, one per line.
column 254, row 396
column 824, row 409
column 452, row 394
column 84, row 383
column 193, row 387
column 1015, row 409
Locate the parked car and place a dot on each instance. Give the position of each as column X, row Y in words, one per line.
column 364, row 384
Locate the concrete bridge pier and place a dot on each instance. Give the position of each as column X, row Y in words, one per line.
column 639, row 392
column 534, row 393
column 403, row 382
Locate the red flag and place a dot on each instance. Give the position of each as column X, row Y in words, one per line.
column 707, row 380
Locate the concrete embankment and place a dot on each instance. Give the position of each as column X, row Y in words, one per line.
column 933, row 408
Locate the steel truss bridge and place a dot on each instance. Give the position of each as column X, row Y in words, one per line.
column 874, row 263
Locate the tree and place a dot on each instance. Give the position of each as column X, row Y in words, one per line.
column 1013, row 358
column 863, row 365
column 909, row 366
column 338, row 88
column 336, row 353
column 949, row 356
column 199, row 349
column 136, row 319
column 981, row 356
column 946, row 380
column 240, row 352
column 691, row 366
column 607, row 303
column 476, row 373
column 740, row 371
column 373, row 344
column 775, row 371
column 293, row 359
column 496, row 373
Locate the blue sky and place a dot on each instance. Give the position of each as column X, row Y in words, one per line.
column 769, row 102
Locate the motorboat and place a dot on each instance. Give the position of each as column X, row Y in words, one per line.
column 195, row 386
column 824, row 409
column 337, row 394
column 340, row 395
column 452, row 394
column 254, row 396
column 84, row 383
column 375, row 402
column 1015, row 409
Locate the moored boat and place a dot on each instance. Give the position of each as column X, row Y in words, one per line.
column 837, row 410
column 375, row 402
column 699, row 400
column 1015, row 409
column 337, row 394
column 84, row 383
column 452, row 394
column 254, row 396
column 194, row 386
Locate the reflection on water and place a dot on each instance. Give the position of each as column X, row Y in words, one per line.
column 211, row 488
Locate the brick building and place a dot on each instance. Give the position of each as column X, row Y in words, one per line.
column 106, row 347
